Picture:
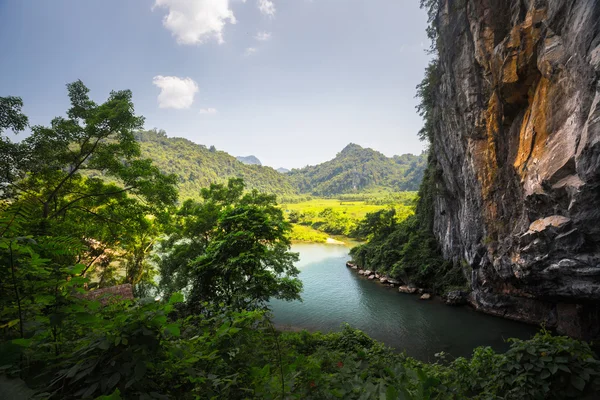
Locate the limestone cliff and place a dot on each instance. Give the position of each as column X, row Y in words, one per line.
column 516, row 141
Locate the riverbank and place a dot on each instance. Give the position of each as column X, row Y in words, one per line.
column 306, row 234
column 334, row 295
column 452, row 298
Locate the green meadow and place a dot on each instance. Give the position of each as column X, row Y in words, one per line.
column 316, row 219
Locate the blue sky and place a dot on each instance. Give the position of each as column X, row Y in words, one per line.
column 289, row 81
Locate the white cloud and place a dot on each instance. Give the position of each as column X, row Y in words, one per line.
column 263, row 36
column 175, row 92
column 196, row 21
column 209, row 110
column 267, row 7
column 250, row 51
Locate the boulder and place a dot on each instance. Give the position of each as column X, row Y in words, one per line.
column 350, row 264
column 456, row 298
column 368, row 272
column 354, row 267
column 407, row 289
column 394, row 281
column 425, row 296
column 361, row 272
column 383, row 279
column 377, row 276
column 371, row 277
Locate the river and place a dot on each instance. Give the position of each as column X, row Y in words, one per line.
column 334, row 294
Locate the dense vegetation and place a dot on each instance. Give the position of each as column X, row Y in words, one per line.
column 197, row 166
column 82, row 210
column 356, row 169
column 407, row 249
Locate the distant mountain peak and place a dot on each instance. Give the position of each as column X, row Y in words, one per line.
column 351, row 146
column 250, row 160
column 282, row 170
column 357, row 169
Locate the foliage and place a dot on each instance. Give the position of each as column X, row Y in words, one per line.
column 231, row 248
column 11, row 117
column 83, row 201
column 545, row 367
column 343, row 216
column 408, row 250
column 356, row 169
column 82, row 177
column 197, row 167
column 302, row 233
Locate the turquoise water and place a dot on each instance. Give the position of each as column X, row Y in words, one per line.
column 334, row 294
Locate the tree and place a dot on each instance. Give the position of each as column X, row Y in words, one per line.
column 85, row 174
column 232, row 248
column 11, row 117
column 377, row 224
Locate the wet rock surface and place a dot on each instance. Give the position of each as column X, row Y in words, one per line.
column 517, row 150
column 456, row 298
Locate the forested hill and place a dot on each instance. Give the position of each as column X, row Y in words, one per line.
column 357, row 169
column 198, row 166
column 250, row 160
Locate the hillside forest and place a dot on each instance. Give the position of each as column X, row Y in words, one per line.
column 138, row 266
column 112, row 289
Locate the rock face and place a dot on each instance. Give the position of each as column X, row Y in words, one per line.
column 456, row 298
column 516, row 144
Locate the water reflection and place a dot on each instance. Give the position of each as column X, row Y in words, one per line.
column 334, row 294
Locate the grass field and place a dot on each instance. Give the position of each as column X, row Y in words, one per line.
column 302, row 233
column 353, row 209
column 316, row 219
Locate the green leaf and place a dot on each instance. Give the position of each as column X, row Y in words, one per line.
column 22, row 342
column 391, row 393
column 85, row 318
column 77, row 269
column 113, row 380
column 578, row 382
column 90, row 390
column 116, row 395
column 10, row 323
column 176, row 298
column 564, row 368
column 545, row 374
column 103, row 345
column 173, row 330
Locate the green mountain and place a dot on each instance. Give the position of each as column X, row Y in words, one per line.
column 357, row 169
column 198, row 166
column 250, row 160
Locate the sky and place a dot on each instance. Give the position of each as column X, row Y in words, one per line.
column 289, row 81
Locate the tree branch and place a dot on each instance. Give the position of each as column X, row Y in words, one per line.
column 69, row 204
